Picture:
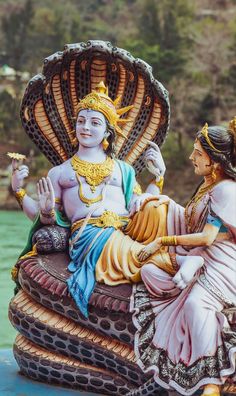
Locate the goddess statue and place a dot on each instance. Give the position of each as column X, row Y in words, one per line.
column 190, row 342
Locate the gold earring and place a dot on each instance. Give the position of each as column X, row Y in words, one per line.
column 213, row 174
column 75, row 142
column 105, row 144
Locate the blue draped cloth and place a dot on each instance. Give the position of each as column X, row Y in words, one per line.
column 84, row 256
column 86, row 251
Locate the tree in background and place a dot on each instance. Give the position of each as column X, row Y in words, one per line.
column 33, row 31
column 52, row 28
column 162, row 39
column 16, row 28
column 212, row 65
column 9, row 125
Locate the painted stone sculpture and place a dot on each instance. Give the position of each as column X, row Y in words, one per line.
column 94, row 229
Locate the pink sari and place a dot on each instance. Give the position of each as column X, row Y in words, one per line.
column 185, row 337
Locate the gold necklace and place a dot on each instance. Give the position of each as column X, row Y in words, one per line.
column 88, row 201
column 195, row 201
column 94, row 174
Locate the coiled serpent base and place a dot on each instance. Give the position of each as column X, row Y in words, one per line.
column 58, row 345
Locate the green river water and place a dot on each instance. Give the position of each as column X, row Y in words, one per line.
column 14, row 228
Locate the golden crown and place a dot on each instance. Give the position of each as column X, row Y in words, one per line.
column 204, row 132
column 99, row 100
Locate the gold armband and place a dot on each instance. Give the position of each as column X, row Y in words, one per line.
column 19, row 194
column 14, row 273
column 169, row 240
column 159, row 183
column 137, row 189
column 58, row 201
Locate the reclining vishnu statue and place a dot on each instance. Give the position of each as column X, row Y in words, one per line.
column 97, row 193
column 93, row 228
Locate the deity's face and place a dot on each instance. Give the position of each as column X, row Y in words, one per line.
column 201, row 160
column 90, row 128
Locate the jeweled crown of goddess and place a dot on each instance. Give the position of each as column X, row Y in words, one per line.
column 99, row 100
column 204, row 132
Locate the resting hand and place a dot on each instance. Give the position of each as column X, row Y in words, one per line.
column 154, row 160
column 46, row 195
column 19, row 173
column 138, row 202
column 150, row 249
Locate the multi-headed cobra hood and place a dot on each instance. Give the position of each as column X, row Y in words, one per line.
column 52, row 100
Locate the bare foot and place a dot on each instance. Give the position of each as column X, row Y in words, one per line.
column 186, row 273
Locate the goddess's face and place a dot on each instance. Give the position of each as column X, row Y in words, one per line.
column 90, row 128
column 201, row 160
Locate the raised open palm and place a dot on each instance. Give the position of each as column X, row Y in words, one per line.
column 46, row 195
column 154, row 160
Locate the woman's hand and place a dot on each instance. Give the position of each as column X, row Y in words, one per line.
column 19, row 173
column 46, row 195
column 154, row 160
column 150, row 249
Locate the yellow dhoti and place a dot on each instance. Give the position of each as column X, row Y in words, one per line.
column 118, row 262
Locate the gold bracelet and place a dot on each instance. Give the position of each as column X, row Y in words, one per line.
column 19, row 194
column 169, row 240
column 137, row 189
column 48, row 215
column 159, row 183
